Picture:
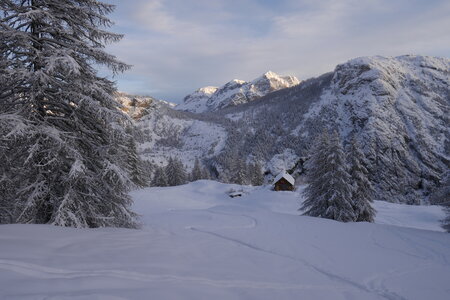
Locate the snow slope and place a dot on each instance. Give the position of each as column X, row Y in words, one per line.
column 198, row 243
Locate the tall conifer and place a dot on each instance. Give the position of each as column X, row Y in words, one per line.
column 62, row 136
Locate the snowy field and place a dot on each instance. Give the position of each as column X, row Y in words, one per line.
column 198, row 243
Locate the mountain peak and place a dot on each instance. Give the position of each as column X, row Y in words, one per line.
column 235, row 92
column 207, row 90
column 270, row 74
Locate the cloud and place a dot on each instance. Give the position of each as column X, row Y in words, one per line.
column 177, row 46
column 155, row 18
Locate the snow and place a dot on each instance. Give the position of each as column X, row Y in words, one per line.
column 286, row 176
column 198, row 243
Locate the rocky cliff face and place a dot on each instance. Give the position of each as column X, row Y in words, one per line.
column 235, row 92
column 139, row 106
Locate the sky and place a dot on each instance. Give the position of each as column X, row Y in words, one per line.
column 178, row 46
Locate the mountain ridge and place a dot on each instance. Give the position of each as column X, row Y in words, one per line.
column 235, row 92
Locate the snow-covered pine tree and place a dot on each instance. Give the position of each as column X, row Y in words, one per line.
column 60, row 126
column 160, row 177
column 446, row 221
column 182, row 175
column 175, row 172
column 328, row 194
column 362, row 188
column 135, row 164
column 441, row 196
column 240, row 172
column 205, row 173
column 315, row 203
column 256, row 175
column 196, row 173
column 170, row 170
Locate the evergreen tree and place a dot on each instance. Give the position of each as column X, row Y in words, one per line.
column 175, row 172
column 441, row 196
column 182, row 175
column 362, row 188
column 446, row 221
column 256, row 175
column 135, row 164
column 240, row 171
column 160, row 177
column 205, row 173
column 328, row 194
column 170, row 170
column 196, row 173
column 62, row 135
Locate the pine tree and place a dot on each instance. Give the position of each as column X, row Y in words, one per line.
column 170, row 170
column 61, row 132
column 446, row 221
column 196, row 173
column 175, row 172
column 160, row 177
column 362, row 188
column 256, row 175
column 240, row 172
column 441, row 196
column 135, row 164
column 181, row 176
column 205, row 173
column 328, row 194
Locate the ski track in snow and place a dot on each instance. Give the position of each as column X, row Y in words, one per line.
column 377, row 282
column 43, row 272
column 379, row 290
column 253, row 222
column 376, row 243
column 426, row 250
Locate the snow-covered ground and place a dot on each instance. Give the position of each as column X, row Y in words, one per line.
column 198, row 243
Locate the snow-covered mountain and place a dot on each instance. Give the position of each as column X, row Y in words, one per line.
column 235, row 92
column 398, row 109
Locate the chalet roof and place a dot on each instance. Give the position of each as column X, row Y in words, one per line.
column 286, row 176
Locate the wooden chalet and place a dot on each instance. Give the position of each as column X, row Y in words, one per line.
column 284, row 182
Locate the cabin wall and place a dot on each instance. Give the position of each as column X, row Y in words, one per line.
column 283, row 185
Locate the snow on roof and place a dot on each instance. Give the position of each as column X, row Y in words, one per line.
column 286, row 176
